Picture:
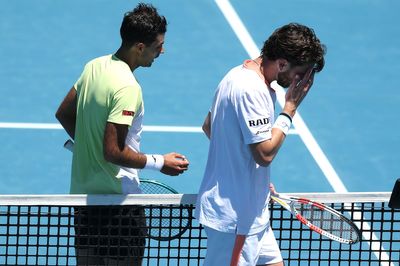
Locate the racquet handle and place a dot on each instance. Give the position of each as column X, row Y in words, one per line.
column 69, row 145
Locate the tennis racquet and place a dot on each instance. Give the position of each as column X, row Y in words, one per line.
column 165, row 222
column 321, row 218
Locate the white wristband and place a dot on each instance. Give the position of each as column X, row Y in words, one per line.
column 283, row 123
column 154, row 162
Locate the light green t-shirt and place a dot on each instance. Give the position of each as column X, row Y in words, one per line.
column 107, row 92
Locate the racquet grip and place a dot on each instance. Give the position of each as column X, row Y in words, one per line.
column 69, row 145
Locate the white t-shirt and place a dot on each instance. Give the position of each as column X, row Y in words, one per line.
column 130, row 176
column 234, row 193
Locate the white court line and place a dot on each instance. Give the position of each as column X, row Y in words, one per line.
column 183, row 129
column 30, row 125
column 180, row 129
column 301, row 128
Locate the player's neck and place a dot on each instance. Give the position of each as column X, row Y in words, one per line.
column 125, row 55
column 261, row 69
column 268, row 70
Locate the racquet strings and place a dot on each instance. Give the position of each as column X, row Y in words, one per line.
column 326, row 220
column 165, row 221
column 153, row 188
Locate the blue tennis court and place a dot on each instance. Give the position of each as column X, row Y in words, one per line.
column 349, row 139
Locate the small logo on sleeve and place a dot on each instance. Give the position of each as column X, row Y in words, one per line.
column 128, row 113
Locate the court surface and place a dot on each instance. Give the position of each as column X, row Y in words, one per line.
column 348, row 137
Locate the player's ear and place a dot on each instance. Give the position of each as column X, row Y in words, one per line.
column 283, row 65
column 140, row 46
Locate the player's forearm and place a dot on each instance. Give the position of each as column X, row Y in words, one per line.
column 265, row 152
column 116, row 151
column 126, row 157
column 289, row 108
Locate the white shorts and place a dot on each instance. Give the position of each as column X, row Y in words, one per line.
column 258, row 249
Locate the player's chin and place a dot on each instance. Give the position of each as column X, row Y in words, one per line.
column 148, row 64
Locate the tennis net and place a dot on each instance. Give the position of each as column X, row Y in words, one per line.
column 50, row 230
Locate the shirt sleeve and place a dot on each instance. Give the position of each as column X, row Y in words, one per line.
column 254, row 115
column 124, row 105
column 78, row 83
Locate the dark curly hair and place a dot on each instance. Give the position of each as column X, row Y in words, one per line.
column 297, row 44
column 142, row 24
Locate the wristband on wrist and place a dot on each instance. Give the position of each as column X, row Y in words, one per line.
column 154, row 162
column 288, row 116
column 283, row 122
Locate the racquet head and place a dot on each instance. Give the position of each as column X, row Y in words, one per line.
column 165, row 222
column 321, row 219
column 154, row 187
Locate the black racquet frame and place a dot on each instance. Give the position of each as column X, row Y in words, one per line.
column 165, row 222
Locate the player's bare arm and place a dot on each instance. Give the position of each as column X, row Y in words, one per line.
column 66, row 112
column 207, row 125
column 264, row 152
column 116, row 152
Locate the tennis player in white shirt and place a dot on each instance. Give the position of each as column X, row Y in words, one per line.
column 245, row 137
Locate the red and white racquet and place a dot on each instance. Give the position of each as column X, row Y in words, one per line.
column 321, row 218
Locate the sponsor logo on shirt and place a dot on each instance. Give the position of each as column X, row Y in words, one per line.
column 262, row 131
column 258, row 122
column 128, row 113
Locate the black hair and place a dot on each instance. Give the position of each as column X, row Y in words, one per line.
column 142, row 24
column 297, row 44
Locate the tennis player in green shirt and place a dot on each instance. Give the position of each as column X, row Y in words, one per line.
column 103, row 113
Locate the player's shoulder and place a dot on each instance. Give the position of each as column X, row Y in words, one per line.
column 242, row 74
column 235, row 71
column 99, row 59
column 244, row 79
